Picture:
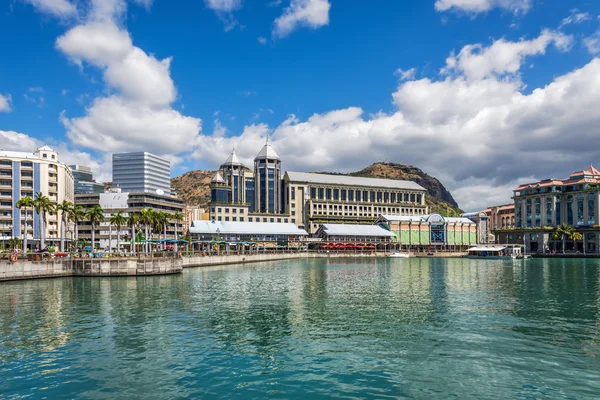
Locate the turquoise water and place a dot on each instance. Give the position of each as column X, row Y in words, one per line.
column 377, row 328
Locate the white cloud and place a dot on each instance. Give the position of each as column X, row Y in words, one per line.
column 36, row 89
column 479, row 6
column 576, row 17
column 479, row 133
column 56, row 8
column 592, row 43
column 224, row 10
column 219, row 130
column 5, row 103
column 406, row 75
column 310, row 13
column 15, row 141
column 262, row 40
column 137, row 114
column 502, row 57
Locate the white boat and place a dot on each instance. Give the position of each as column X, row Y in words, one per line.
column 399, row 255
column 495, row 252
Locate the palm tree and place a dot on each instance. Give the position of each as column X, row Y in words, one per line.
column 576, row 237
column 95, row 215
column 118, row 220
column 43, row 206
column 65, row 209
column 563, row 232
column 158, row 222
column 25, row 203
column 177, row 217
column 146, row 219
column 133, row 221
column 77, row 214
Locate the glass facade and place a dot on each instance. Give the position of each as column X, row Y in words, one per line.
column 548, row 211
column 570, row 210
column 558, row 212
column 580, row 209
column 271, row 191
column 528, row 213
column 538, row 211
column 250, row 194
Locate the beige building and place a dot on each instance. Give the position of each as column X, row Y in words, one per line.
column 194, row 213
column 501, row 217
column 26, row 174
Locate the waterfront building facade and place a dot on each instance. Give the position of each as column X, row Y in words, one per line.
column 141, row 172
column 26, row 174
column 194, row 213
column 542, row 206
column 353, row 237
column 84, row 182
column 431, row 232
column 128, row 202
column 306, row 199
column 501, row 217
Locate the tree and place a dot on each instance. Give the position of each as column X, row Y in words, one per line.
column 25, row 203
column 563, row 232
column 77, row 214
column 95, row 215
column 43, row 206
column 177, row 217
column 576, row 237
column 159, row 223
column 146, row 219
column 13, row 243
column 118, row 220
column 65, row 209
column 133, row 221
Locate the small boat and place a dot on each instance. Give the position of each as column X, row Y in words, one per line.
column 399, row 255
column 494, row 252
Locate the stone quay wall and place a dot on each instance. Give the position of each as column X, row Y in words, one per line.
column 23, row 269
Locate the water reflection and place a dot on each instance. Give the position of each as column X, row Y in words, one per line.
column 376, row 327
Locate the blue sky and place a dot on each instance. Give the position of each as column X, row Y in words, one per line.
column 446, row 85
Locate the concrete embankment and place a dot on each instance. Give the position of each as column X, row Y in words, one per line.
column 213, row 260
column 89, row 267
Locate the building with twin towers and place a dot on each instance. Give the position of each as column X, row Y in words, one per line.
column 308, row 200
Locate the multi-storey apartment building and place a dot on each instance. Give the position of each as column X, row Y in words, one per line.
column 114, row 201
column 541, row 206
column 306, row 199
column 26, row 174
column 141, row 172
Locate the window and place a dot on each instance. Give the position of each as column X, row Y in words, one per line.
column 328, row 194
column 351, row 195
column 379, row 197
column 285, row 220
column 234, row 210
column 343, row 194
column 293, row 212
column 264, row 220
column 386, row 197
column 234, row 218
column 313, row 193
column 538, row 211
column 53, row 157
column 336, row 194
column 372, row 197
column 293, row 193
column 272, row 220
column 278, row 219
column 249, row 219
column 558, row 216
column 580, row 209
column 241, row 219
column 591, row 208
column 321, row 193
column 392, row 197
column 226, row 218
column 45, row 155
column 219, row 219
column 548, row 211
column 406, row 197
column 219, row 209
column 227, row 211
column 570, row 210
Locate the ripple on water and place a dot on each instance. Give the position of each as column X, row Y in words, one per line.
column 376, row 328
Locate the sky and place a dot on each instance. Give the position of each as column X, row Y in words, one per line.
column 482, row 94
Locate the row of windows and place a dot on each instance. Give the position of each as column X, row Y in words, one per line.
column 371, row 196
column 257, row 219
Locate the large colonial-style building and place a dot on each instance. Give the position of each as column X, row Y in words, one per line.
column 26, row 174
column 306, row 199
column 541, row 206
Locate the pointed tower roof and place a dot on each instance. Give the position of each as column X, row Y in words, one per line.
column 233, row 160
column 218, row 178
column 592, row 171
column 267, row 153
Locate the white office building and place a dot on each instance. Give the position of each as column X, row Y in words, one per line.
column 141, row 172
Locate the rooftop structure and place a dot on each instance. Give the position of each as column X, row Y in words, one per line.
column 84, row 180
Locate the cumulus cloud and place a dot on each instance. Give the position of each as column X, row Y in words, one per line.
column 15, row 141
column 224, row 10
column 138, row 113
column 56, row 8
column 502, row 57
column 310, row 13
column 5, row 103
column 479, row 132
column 479, row 6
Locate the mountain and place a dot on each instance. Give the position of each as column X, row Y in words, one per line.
column 193, row 186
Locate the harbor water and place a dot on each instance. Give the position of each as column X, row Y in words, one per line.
column 355, row 328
